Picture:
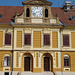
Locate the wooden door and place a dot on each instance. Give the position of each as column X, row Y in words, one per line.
column 46, row 64
column 26, row 63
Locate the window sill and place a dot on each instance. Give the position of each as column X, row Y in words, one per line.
column 67, row 69
column 7, row 45
column 26, row 45
column 46, row 45
column 66, row 66
column 6, row 66
column 65, row 46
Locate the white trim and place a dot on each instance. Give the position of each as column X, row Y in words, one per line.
column 59, row 59
column 64, row 47
column 14, row 62
column 65, row 69
column 51, row 39
column 7, row 55
column 66, row 55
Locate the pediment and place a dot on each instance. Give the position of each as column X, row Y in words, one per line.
column 34, row 2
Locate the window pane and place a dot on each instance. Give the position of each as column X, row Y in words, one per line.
column 46, row 39
column 7, row 39
column 27, row 39
column 27, row 12
column 66, row 61
column 46, row 12
column 7, row 61
column 65, row 40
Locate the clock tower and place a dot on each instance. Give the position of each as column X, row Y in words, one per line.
column 36, row 12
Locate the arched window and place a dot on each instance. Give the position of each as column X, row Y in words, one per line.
column 46, row 12
column 7, row 61
column 27, row 12
column 66, row 61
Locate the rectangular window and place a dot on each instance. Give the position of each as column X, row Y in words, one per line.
column 66, row 62
column 7, row 39
column 46, row 39
column 27, row 39
column 6, row 73
column 65, row 40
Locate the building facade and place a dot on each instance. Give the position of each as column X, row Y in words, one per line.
column 37, row 39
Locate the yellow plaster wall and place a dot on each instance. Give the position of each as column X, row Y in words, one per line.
column 19, row 39
column 73, row 39
column 54, row 39
column 42, row 63
column 36, row 39
column 56, row 59
column 36, row 59
column 16, row 69
column 17, row 59
column 72, row 60
column 37, row 70
column 1, row 38
column 2, row 54
column 56, row 69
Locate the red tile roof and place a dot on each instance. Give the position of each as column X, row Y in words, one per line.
column 9, row 11
column 64, row 16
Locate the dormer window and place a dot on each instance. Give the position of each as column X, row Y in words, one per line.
column 46, row 12
column 1, row 16
column 27, row 12
column 72, row 18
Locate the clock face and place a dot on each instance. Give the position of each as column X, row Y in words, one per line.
column 37, row 11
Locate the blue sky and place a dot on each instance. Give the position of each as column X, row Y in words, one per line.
column 56, row 3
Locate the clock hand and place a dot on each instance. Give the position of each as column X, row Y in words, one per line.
column 37, row 11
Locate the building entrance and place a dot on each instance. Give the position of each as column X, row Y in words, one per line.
column 26, row 63
column 46, row 63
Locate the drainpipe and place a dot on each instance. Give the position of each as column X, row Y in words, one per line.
column 61, row 51
column 12, row 51
column 61, row 48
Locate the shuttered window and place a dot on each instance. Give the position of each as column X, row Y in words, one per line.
column 46, row 39
column 7, row 39
column 65, row 40
column 27, row 39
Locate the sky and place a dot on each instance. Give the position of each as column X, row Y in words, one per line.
column 56, row 3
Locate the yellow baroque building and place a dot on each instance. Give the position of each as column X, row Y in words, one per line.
column 37, row 39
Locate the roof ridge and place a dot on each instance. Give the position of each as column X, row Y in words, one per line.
column 11, row 6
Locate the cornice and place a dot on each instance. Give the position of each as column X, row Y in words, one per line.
column 36, row 2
